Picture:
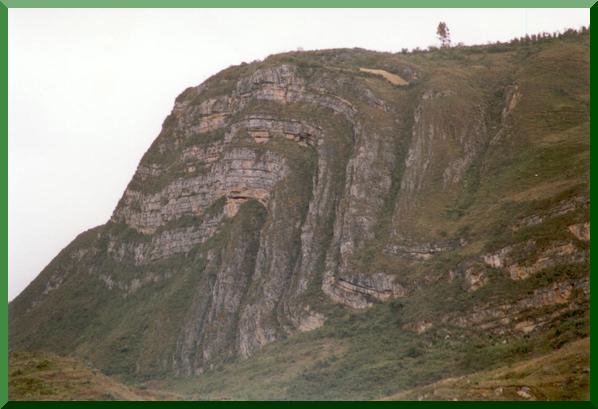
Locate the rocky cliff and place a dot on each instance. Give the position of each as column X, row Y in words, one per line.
column 280, row 191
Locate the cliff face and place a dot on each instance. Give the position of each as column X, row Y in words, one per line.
column 279, row 190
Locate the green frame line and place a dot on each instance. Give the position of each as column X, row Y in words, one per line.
column 4, row 15
column 593, row 170
column 301, row 3
column 309, row 404
column 4, row 202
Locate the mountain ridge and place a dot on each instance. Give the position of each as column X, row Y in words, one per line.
column 289, row 197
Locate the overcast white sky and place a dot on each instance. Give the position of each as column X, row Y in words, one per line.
column 89, row 89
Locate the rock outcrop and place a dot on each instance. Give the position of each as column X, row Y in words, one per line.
column 280, row 190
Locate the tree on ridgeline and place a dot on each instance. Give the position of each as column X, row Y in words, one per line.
column 444, row 35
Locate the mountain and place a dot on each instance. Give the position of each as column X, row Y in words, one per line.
column 340, row 224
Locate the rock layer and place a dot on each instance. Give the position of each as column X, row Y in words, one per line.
column 278, row 190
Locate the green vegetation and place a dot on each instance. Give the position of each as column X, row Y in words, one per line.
column 44, row 376
column 540, row 378
column 368, row 355
column 503, row 130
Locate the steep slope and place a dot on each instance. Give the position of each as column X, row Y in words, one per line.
column 308, row 197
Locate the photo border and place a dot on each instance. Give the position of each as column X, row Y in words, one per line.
column 4, row 14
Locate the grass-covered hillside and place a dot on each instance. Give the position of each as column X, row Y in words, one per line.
column 345, row 224
column 45, row 376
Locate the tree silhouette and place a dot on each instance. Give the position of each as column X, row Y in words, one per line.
column 443, row 34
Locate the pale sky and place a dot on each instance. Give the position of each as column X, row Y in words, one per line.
column 89, row 89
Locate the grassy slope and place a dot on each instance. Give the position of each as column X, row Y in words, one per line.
column 559, row 375
column 45, row 376
column 368, row 356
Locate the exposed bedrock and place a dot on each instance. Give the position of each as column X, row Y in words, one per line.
column 279, row 191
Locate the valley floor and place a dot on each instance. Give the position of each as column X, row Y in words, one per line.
column 559, row 375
